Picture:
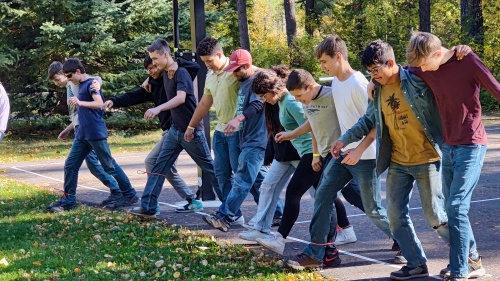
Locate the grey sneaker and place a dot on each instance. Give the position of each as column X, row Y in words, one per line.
column 345, row 236
column 252, row 235
column 112, row 199
column 406, row 272
column 194, row 206
column 449, row 278
column 476, row 269
column 399, row 258
column 275, row 243
column 141, row 212
column 60, row 206
column 216, row 222
column 126, row 201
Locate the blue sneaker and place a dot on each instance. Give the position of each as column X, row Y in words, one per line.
column 194, row 206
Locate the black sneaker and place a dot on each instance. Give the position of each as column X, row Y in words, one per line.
column 276, row 221
column 126, row 201
column 406, row 272
column 141, row 212
column 112, row 199
column 60, row 206
column 304, row 261
column 331, row 259
column 216, row 222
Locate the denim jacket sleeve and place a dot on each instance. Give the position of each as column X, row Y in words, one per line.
column 362, row 127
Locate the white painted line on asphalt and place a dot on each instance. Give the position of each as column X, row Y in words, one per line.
column 57, row 180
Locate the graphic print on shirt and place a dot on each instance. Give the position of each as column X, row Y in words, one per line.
column 400, row 117
column 313, row 110
column 239, row 107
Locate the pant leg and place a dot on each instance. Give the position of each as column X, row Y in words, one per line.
column 429, row 182
column 169, row 153
column 222, row 164
column 365, row 174
column 352, row 194
column 303, row 178
column 335, row 176
column 110, row 166
column 96, row 169
column 77, row 154
column 463, row 164
column 250, row 161
column 276, row 179
column 399, row 186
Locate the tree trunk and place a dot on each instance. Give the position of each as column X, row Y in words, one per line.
column 310, row 17
column 471, row 17
column 424, row 12
column 243, row 24
column 291, row 21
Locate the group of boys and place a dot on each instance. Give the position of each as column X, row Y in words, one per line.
column 423, row 126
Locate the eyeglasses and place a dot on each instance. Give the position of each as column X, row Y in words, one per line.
column 151, row 69
column 69, row 75
column 238, row 69
column 375, row 71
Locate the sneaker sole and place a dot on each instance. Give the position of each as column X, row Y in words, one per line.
column 210, row 223
column 269, row 247
column 410, row 277
column 344, row 242
column 188, row 211
column 477, row 273
column 301, row 268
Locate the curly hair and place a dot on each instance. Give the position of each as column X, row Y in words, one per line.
column 271, row 81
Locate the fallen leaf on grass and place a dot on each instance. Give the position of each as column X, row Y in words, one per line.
column 159, row 263
column 4, row 261
column 177, row 274
column 204, row 262
column 77, row 270
column 108, row 256
column 37, row 263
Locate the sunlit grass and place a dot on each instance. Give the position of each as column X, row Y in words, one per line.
column 97, row 244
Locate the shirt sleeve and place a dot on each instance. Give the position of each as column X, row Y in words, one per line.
column 485, row 78
column 296, row 111
column 184, row 82
column 4, row 109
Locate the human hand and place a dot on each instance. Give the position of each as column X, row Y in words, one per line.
column 73, row 101
column 352, row 157
column 282, row 136
column 461, row 51
column 317, row 163
column 107, row 104
column 151, row 113
column 189, row 135
column 63, row 135
column 172, row 68
column 336, row 147
column 231, row 127
column 95, row 85
column 146, row 86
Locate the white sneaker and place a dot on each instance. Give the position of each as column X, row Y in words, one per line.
column 345, row 236
column 252, row 235
column 252, row 222
column 275, row 243
column 239, row 221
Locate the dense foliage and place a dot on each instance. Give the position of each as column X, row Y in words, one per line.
column 110, row 37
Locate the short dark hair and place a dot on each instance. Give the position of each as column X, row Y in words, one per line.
column 147, row 61
column 160, row 46
column 209, row 46
column 331, row 45
column 377, row 52
column 56, row 67
column 270, row 81
column 72, row 64
column 299, row 79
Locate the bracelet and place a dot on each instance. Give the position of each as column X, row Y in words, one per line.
column 191, row 128
column 316, row 154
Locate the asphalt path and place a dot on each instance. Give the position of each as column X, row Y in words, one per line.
column 369, row 258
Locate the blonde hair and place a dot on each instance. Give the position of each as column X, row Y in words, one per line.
column 421, row 46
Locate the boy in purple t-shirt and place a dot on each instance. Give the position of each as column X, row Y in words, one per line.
column 456, row 86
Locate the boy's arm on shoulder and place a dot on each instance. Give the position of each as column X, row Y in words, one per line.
column 136, row 96
column 97, row 102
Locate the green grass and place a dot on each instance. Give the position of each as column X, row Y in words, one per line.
column 97, row 244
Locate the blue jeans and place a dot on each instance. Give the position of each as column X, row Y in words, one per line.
column 276, row 179
column 172, row 176
column 249, row 165
column 172, row 146
column 400, row 179
column 226, row 153
column 461, row 170
column 96, row 169
column 79, row 151
column 334, row 178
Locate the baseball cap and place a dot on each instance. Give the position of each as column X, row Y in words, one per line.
column 238, row 58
